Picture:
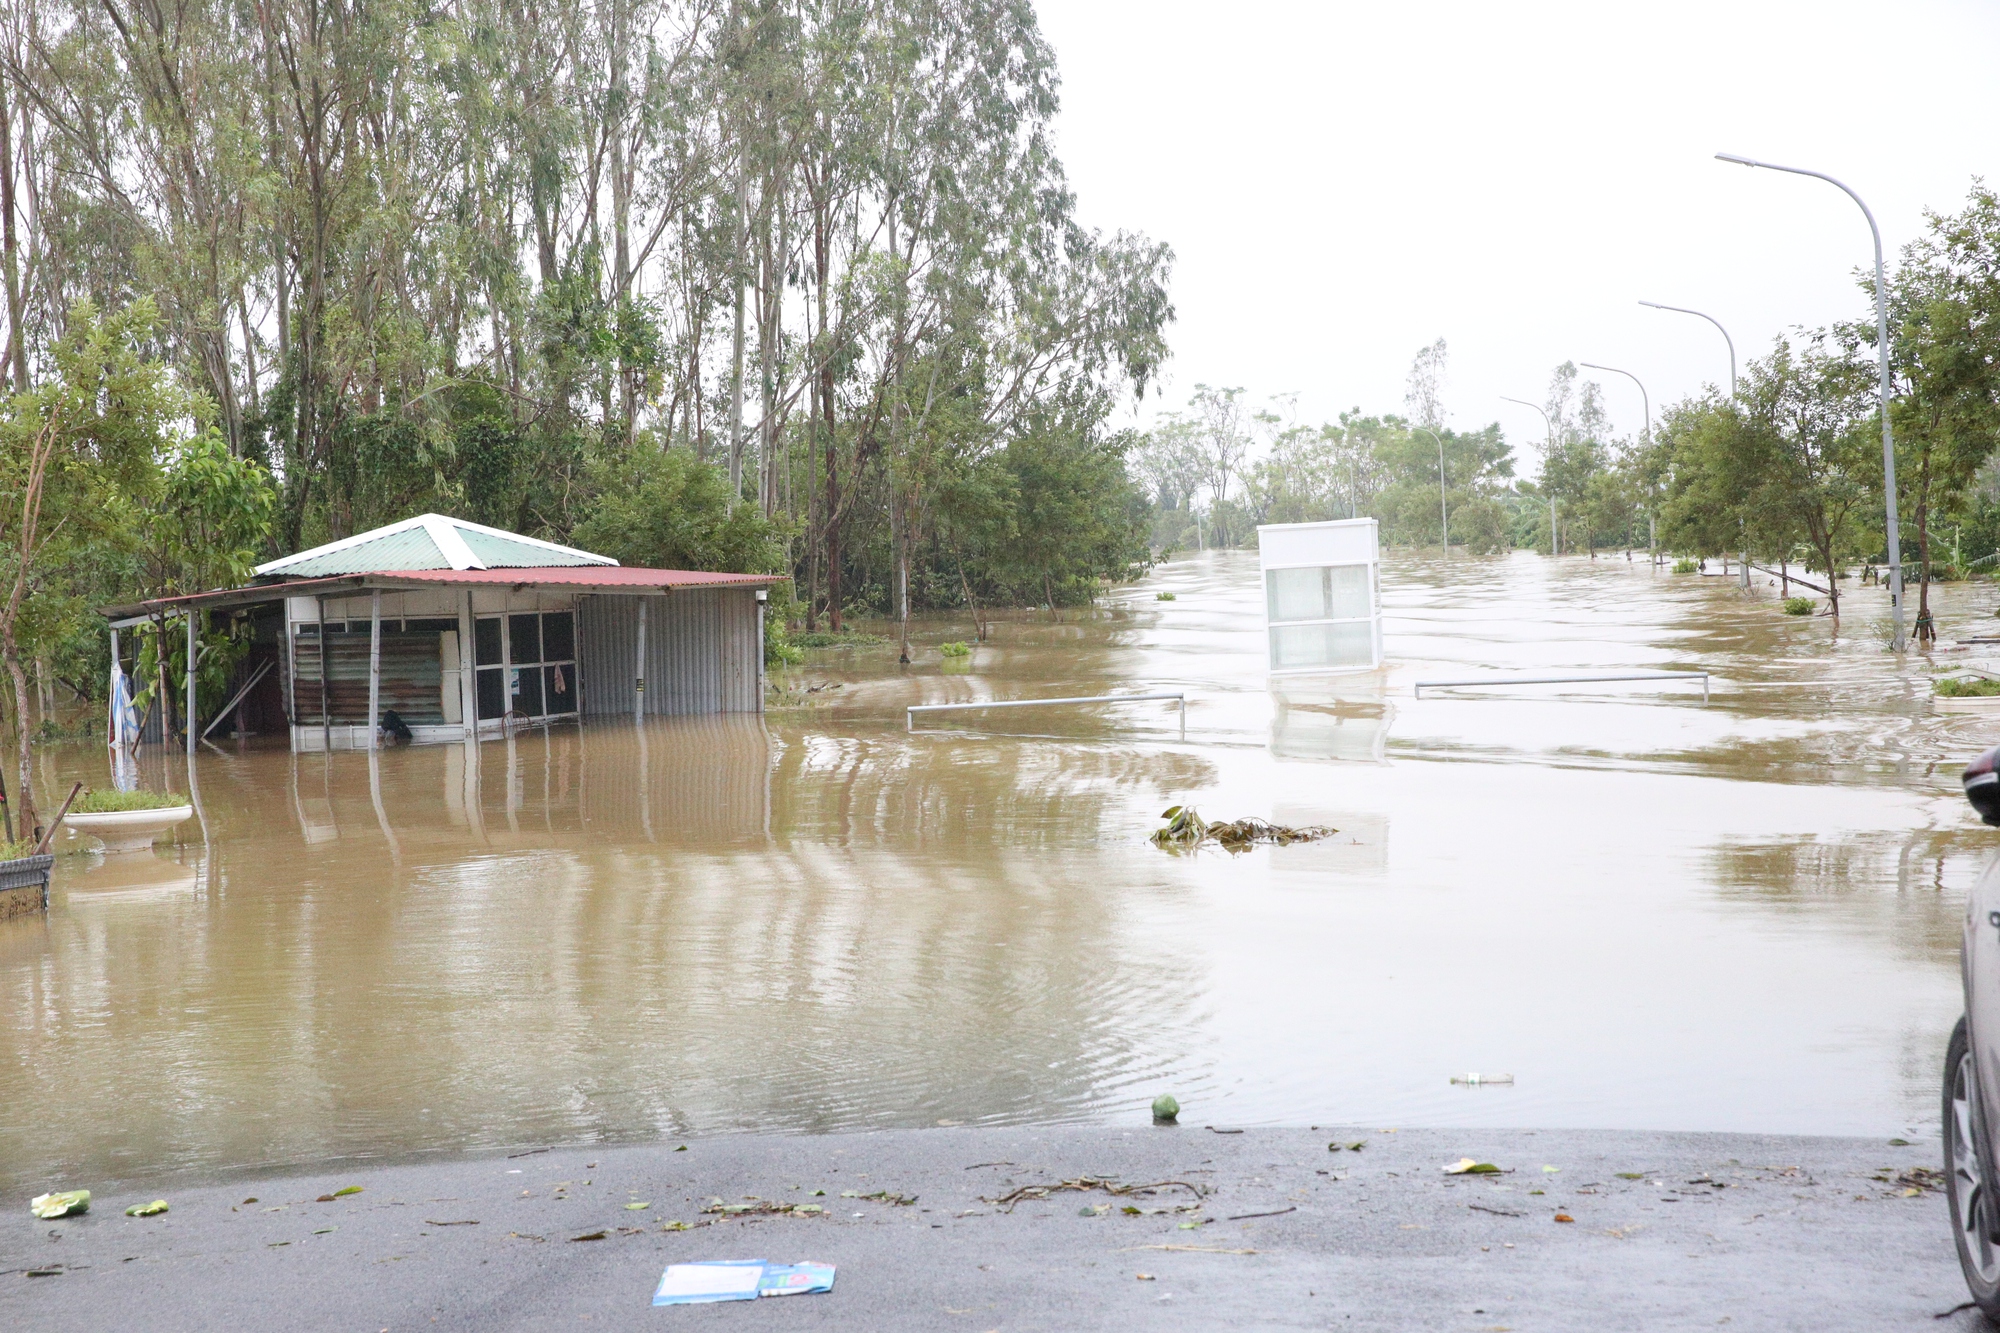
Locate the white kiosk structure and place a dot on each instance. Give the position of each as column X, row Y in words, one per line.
column 1322, row 596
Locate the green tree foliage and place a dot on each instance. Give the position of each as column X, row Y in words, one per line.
column 500, row 262
column 664, row 509
column 79, row 458
column 1789, row 462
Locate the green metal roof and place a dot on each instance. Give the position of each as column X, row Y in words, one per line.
column 429, row 542
column 497, row 552
column 411, row 548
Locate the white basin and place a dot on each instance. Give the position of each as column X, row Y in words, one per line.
column 128, row 830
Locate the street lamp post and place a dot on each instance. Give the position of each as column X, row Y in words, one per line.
column 1882, row 358
column 1548, row 426
column 1683, row 310
column 1444, row 516
column 1645, row 399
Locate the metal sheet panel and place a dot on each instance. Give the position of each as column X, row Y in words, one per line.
column 701, row 652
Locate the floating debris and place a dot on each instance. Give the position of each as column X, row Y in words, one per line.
column 1165, row 1109
column 1186, row 830
column 1466, row 1166
column 772, row 1208
column 153, row 1209
column 1109, row 1186
column 62, row 1203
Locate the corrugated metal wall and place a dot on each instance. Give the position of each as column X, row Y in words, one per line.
column 702, row 652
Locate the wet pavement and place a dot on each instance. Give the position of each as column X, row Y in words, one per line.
column 1655, row 913
column 964, row 1229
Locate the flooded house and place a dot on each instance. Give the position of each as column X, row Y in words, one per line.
column 460, row 630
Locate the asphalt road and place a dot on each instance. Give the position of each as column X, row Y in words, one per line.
column 1267, row 1229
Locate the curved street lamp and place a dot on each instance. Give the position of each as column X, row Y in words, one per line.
column 1683, row 310
column 1444, row 519
column 1549, row 426
column 1882, row 358
column 1652, row 530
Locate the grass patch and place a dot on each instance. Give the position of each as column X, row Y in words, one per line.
column 1163, row 597
column 1686, row 567
column 17, row 849
column 1800, row 606
column 954, row 649
column 845, row 639
column 1954, row 688
column 111, row 802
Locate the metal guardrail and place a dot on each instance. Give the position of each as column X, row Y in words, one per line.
column 910, row 713
column 1423, row 685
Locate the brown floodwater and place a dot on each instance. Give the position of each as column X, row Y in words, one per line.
column 1653, row 912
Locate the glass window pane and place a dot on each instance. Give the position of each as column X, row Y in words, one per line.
column 559, row 688
column 1296, row 594
column 528, row 691
column 486, row 642
column 1302, row 647
column 524, row 638
column 1350, row 598
column 558, row 637
column 492, row 694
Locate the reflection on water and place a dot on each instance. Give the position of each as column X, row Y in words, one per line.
column 1654, row 912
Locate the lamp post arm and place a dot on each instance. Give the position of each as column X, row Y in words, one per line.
column 1890, row 527
column 1444, row 514
column 1644, row 397
column 1547, row 453
column 1731, row 342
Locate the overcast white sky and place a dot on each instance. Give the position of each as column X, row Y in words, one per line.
column 1343, row 183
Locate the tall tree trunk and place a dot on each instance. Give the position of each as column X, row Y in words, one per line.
column 830, row 505
column 899, row 539
column 249, row 350
column 1924, row 628
column 17, row 335
column 621, row 214
column 738, row 262
column 30, row 821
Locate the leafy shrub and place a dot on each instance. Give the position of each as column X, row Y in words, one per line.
column 1163, row 597
column 954, row 649
column 1800, row 606
column 1955, row 688
column 1686, row 567
column 111, row 802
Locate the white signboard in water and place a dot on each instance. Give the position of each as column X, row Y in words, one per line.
column 1321, row 596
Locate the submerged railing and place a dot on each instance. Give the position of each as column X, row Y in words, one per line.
column 1423, row 685
column 910, row 713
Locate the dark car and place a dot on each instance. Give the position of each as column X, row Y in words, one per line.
column 1972, row 1067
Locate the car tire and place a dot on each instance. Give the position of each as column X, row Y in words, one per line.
column 1969, row 1183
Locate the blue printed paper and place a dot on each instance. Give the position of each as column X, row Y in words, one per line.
column 795, row 1279
column 721, row 1280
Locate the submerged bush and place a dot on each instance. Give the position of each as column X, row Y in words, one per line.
column 1163, row 597
column 1955, row 688
column 820, row 638
column 954, row 649
column 111, row 802
column 1686, row 567
column 1800, row 606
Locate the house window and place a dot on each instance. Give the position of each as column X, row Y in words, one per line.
column 526, row 664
